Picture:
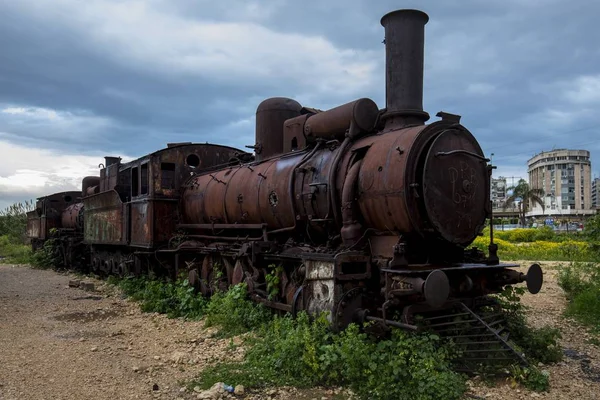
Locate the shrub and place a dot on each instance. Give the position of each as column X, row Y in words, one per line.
column 566, row 250
column 299, row 352
column 539, row 344
column 48, row 256
column 544, row 233
column 176, row 299
column 14, row 252
column 581, row 283
column 13, row 221
column 234, row 313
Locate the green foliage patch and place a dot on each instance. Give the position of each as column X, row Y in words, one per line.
column 581, row 283
column 13, row 225
column 305, row 353
column 286, row 351
column 14, row 252
column 176, row 299
column 234, row 312
column 539, row 344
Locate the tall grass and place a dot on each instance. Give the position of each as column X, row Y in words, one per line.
column 581, row 283
column 13, row 226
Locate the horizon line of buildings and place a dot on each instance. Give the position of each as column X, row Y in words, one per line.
column 565, row 176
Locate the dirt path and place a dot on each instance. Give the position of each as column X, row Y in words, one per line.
column 577, row 377
column 58, row 342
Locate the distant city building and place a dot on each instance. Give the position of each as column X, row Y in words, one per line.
column 565, row 177
column 596, row 193
column 498, row 192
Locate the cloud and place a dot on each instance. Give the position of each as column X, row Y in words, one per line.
column 480, row 88
column 126, row 77
column 27, row 173
column 138, row 35
column 584, row 90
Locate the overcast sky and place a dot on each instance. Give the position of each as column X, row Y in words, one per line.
column 83, row 79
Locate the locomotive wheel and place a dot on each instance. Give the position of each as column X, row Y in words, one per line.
column 204, row 276
column 213, row 276
column 194, row 279
column 228, row 264
column 238, row 273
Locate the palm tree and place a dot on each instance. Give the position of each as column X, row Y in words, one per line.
column 527, row 195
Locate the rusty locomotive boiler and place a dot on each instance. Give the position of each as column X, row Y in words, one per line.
column 361, row 212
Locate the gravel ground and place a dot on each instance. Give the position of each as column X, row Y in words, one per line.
column 59, row 342
column 578, row 375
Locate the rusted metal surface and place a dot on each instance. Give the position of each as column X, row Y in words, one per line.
column 247, row 194
column 104, row 219
column 293, row 134
column 333, row 124
column 47, row 214
column 142, row 218
column 454, row 189
column 351, row 231
column 382, row 183
column 404, row 48
column 138, row 201
column 270, row 116
column 312, row 188
column 152, row 221
column 72, row 217
column 33, row 225
column 87, row 183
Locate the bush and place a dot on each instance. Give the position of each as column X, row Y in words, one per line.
column 302, row 353
column 581, row 283
column 539, row 344
column 566, row 250
column 234, row 313
column 14, row 252
column 48, row 256
column 545, row 233
column 176, row 299
column 13, row 221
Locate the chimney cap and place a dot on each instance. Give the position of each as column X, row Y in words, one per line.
column 405, row 11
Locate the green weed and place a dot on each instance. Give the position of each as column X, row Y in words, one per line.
column 176, row 299
column 581, row 283
column 234, row 313
column 14, row 252
column 304, row 353
column 539, row 344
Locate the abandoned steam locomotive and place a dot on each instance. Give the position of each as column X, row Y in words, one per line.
column 362, row 212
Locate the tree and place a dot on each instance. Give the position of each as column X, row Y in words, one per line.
column 527, row 195
column 13, row 221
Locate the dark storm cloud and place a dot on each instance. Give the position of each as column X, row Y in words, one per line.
column 506, row 66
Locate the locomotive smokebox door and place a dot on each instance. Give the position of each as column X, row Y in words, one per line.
column 454, row 186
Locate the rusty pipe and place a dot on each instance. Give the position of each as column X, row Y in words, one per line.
column 351, row 229
column 335, row 122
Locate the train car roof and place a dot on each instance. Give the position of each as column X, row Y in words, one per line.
column 65, row 193
column 171, row 146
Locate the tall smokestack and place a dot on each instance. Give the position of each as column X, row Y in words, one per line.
column 404, row 49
